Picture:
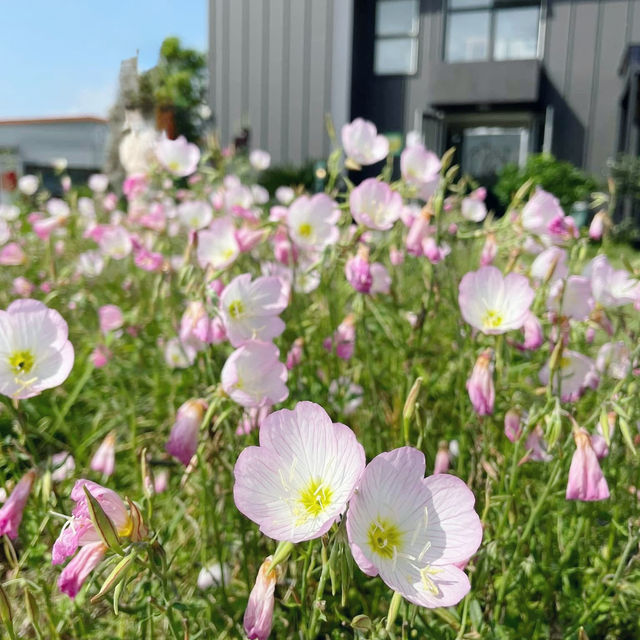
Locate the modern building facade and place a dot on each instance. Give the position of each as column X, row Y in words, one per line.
column 496, row 78
column 32, row 145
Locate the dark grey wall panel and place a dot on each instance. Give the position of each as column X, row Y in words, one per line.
column 237, row 50
column 296, row 116
column 276, row 59
column 607, row 85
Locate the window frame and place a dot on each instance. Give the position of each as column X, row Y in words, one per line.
column 493, row 7
column 413, row 36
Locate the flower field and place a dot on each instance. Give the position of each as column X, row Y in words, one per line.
column 377, row 411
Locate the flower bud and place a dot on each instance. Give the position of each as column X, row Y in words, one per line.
column 358, row 271
column 480, row 385
column 512, row 425
column 258, row 616
column 104, row 459
column 118, row 574
column 102, row 523
column 183, row 439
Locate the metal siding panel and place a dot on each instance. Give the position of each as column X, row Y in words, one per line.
column 318, row 61
column 635, row 21
column 417, row 94
column 328, row 47
column 275, row 106
column 255, row 54
column 604, row 118
column 221, row 110
column 234, row 70
column 582, row 60
column 296, row 81
column 557, row 37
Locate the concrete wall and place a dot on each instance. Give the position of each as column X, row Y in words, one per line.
column 278, row 66
column 38, row 143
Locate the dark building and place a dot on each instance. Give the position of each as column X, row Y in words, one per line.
column 496, row 78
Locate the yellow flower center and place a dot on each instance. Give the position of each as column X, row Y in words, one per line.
column 564, row 362
column 384, row 538
column 305, row 230
column 21, row 361
column 315, row 498
column 174, row 165
column 236, row 309
column 491, row 319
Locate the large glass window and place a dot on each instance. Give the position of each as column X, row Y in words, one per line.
column 396, row 43
column 492, row 30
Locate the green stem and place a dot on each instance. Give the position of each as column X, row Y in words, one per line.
column 319, row 593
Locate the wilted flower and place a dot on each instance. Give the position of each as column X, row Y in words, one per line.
column 312, row 221
column 536, row 446
column 79, row 530
column 297, row 483
column 492, row 302
column 253, row 376
column 480, row 385
column 375, row 205
column 217, row 245
column 36, row 353
column 258, row 616
column 183, row 439
column 586, row 481
column 362, row 144
column 250, row 309
column 345, row 395
column 178, row 156
column 413, row 530
column 11, row 511
column 259, row 159
column 104, row 459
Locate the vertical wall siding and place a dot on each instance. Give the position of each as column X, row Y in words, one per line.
column 271, row 62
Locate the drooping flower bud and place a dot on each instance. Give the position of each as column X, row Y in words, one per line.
column 12, row 509
column 480, row 385
column 358, row 271
column 258, row 616
column 586, row 481
column 513, row 424
column 104, row 459
column 183, row 439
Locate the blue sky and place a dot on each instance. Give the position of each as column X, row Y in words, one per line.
column 62, row 57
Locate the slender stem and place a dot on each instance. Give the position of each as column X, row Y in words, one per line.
column 319, row 593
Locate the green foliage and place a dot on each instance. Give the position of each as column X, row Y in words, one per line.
column 568, row 183
column 287, row 175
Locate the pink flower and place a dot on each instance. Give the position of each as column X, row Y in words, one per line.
column 250, row 309
column 576, row 372
column 248, row 237
column 433, row 252
column 297, row 483
column 358, row 271
column 183, row 440
column 62, row 466
column 513, row 424
column 111, row 318
column 571, row 298
column 79, row 530
column 374, row 205
column 98, row 182
column 148, row 260
column 178, row 156
column 586, row 481
column 195, row 325
column 596, row 228
column 396, row 256
column 312, row 222
column 12, row 255
column 104, row 459
column 135, row 185
column 77, row 571
column 22, row 287
column 473, row 207
column 258, row 616
column 36, row 354
column 421, row 168
column 489, row 251
column 480, row 385
column 362, row 144
column 541, row 212
column 614, row 358
column 178, row 354
column 419, row 231
column 115, row 242
column 381, row 279
column 441, row 464
column 550, row 265
column 283, row 249
column 533, row 334
column 492, row 302
column 294, row 357
column 217, row 245
column 344, row 339
column 611, row 287
column 100, row 356
column 253, row 376
column 259, row 159
column 413, row 530
column 536, row 446
column 11, row 511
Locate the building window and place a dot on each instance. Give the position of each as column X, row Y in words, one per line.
column 492, row 30
column 396, row 41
